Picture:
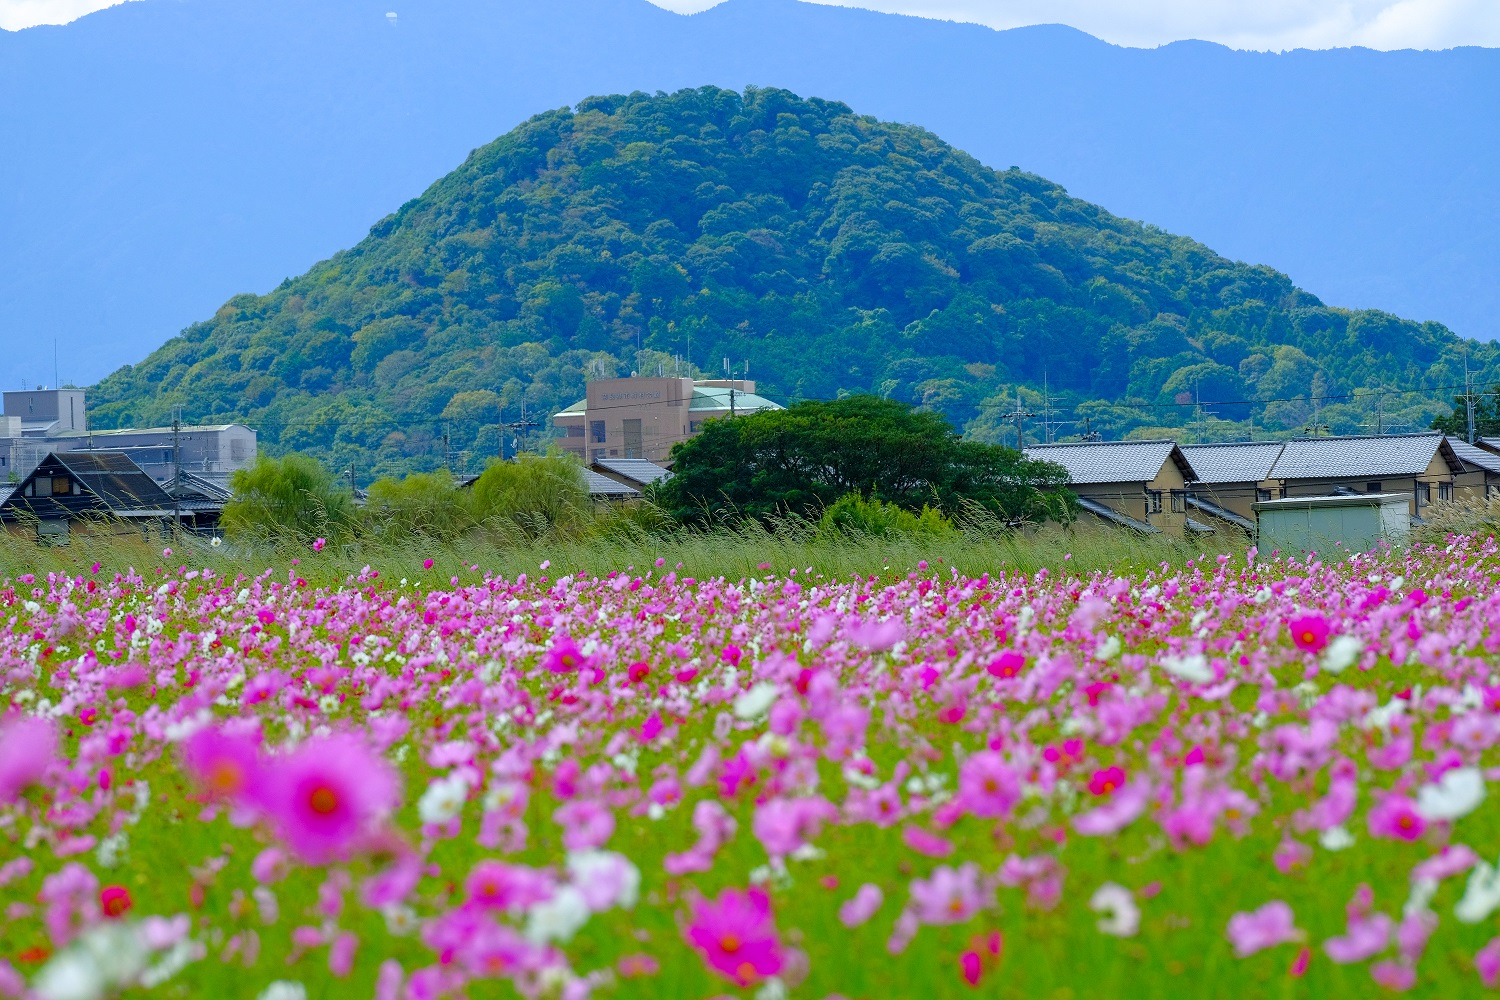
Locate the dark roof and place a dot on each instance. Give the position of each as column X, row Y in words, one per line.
column 108, row 481
column 1235, row 462
column 1115, row 517
column 1095, row 462
column 1360, row 457
column 637, row 470
column 1475, row 455
column 5, row 491
column 191, row 486
column 603, row 486
column 1214, row 510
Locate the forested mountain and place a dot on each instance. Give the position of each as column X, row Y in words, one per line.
column 159, row 156
column 828, row 251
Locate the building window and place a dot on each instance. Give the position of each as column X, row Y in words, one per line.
column 1424, row 494
column 596, row 431
column 61, row 486
column 631, row 430
column 1445, row 491
column 166, row 454
column 575, row 430
column 1179, row 501
column 614, row 453
column 1262, row 495
column 693, row 426
column 1153, row 501
column 1374, row 487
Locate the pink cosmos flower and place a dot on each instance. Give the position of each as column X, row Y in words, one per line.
column 326, row 794
column 1291, row 854
column 564, row 656
column 27, row 748
column 987, row 786
column 861, row 906
column 1123, row 808
column 1367, row 933
column 586, row 824
column 1487, row 963
column 1106, row 781
column 1266, row 927
column 783, row 825
column 226, row 766
column 318, row 545
column 1309, row 632
column 971, row 966
column 1394, row 976
column 1396, row 817
column 1009, row 663
column 878, row 636
column 925, row 842
column 1453, row 859
column 341, row 955
column 950, row 896
column 494, row 885
column 736, row 935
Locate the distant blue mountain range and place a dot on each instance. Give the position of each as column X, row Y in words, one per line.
column 160, row 156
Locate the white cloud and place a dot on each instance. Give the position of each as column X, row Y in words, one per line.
column 1242, row 24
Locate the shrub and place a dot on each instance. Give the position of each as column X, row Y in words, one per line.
column 532, row 495
column 293, row 498
column 426, row 504
column 852, row 514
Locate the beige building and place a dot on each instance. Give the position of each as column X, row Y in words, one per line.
column 1423, row 467
column 1481, row 478
column 642, row 418
column 1232, row 478
column 1135, row 484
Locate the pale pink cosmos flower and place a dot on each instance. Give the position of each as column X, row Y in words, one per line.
column 949, row 896
column 27, row 748
column 862, row 905
column 1487, row 963
column 1291, row 854
column 1394, row 976
column 926, row 842
column 1367, row 933
column 987, row 786
column 1122, row 809
column 1454, row 859
column 586, row 824
column 1266, row 927
column 783, row 825
column 736, row 935
column 341, row 955
column 327, row 794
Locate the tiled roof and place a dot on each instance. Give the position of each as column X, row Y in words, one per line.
column 115, row 479
column 1239, row 462
column 1474, row 455
column 1115, row 517
column 1357, row 457
column 1112, row 461
column 637, row 470
column 603, row 486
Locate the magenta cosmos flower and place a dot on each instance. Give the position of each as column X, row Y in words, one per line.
column 564, row 657
column 736, row 935
column 226, row 766
column 1309, row 632
column 326, row 793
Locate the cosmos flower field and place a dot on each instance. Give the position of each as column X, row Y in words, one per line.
column 1245, row 776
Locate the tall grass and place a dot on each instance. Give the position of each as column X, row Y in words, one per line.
column 733, row 552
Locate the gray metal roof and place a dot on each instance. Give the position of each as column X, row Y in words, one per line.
column 711, row 397
column 1094, row 462
column 1115, row 517
column 1358, row 457
column 637, row 470
column 603, row 486
column 1236, row 462
column 6, row 490
column 1474, row 455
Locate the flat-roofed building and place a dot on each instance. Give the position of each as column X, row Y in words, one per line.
column 1232, row 478
column 1134, row 484
column 1423, row 467
column 642, row 418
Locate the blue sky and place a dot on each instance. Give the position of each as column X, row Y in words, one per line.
column 1245, row 24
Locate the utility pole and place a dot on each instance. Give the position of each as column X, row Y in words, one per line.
column 731, row 401
column 521, row 426
column 1469, row 397
column 177, row 469
column 447, row 451
column 1020, row 414
column 1047, row 431
column 350, row 473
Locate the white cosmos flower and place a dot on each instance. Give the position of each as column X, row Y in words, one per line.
column 559, row 918
column 1109, row 648
column 755, row 702
column 1335, row 838
column 443, row 800
column 1456, row 794
column 605, row 879
column 284, row 989
column 1481, row 895
column 1341, row 653
column 1122, row 918
column 71, row 975
column 1193, row 667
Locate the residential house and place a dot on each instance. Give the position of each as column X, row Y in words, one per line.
column 1423, row 467
column 1232, row 478
column 104, row 490
column 1135, row 484
column 1482, row 478
column 637, row 473
column 642, row 418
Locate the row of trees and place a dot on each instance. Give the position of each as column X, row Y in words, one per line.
column 857, row 465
